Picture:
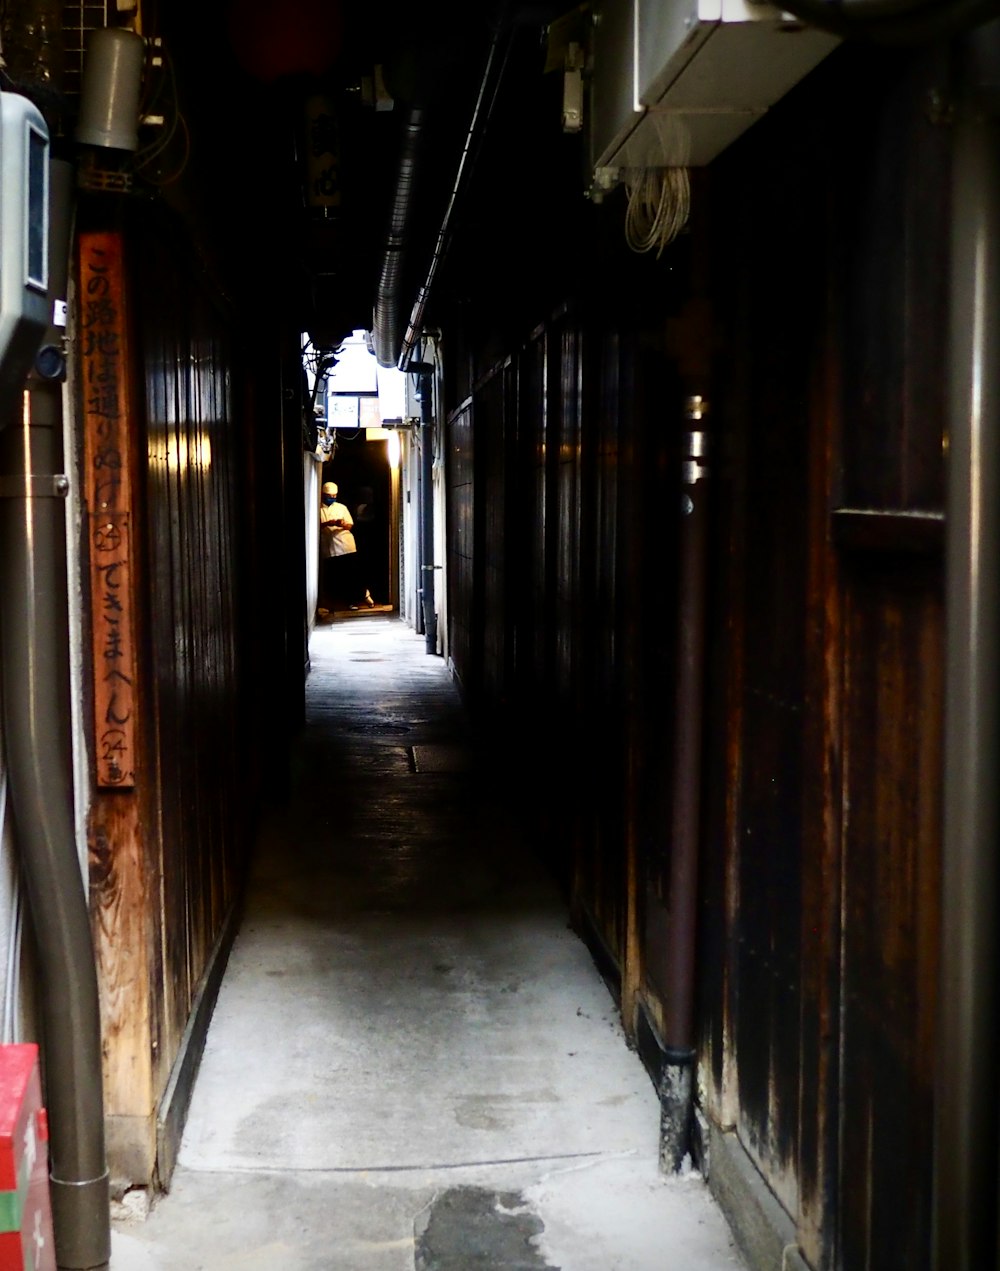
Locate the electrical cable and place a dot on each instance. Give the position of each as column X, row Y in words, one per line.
column 179, row 170
column 659, row 204
column 149, row 153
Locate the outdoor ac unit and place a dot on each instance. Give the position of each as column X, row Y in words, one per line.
column 676, row 81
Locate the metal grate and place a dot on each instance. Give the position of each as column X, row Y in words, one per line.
column 79, row 17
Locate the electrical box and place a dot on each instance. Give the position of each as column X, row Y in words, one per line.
column 25, row 307
column 674, row 83
column 26, row 1236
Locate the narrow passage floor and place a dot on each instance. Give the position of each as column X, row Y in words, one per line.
column 413, row 1063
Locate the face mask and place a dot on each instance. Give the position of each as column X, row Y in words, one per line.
column 327, row 499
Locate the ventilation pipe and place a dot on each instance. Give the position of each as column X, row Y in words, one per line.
column 36, row 698
column 388, row 323
column 966, row 1104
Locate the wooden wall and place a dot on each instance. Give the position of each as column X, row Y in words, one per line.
column 192, row 470
column 217, row 654
column 806, row 303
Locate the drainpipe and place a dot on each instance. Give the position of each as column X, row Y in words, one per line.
column 425, row 392
column 36, row 705
column 966, row 1106
column 418, row 546
column 388, row 322
column 677, row 1076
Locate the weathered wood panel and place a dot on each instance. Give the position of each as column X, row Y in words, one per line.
column 893, row 688
column 124, row 922
column 807, row 303
column 831, row 283
column 191, row 483
column 166, row 856
column 892, row 284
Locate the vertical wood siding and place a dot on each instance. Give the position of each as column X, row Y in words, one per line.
column 167, row 861
column 192, row 470
column 824, row 230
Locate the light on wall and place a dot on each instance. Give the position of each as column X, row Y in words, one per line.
column 393, row 444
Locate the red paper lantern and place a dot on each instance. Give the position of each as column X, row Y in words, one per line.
column 274, row 38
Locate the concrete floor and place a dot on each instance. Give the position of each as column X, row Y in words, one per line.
column 413, row 1063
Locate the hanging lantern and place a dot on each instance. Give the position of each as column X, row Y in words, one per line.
column 322, row 154
column 274, row 38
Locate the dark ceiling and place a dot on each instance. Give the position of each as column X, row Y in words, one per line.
column 244, row 74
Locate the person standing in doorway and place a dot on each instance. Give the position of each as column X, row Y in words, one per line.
column 338, row 550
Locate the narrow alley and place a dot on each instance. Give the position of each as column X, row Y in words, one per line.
column 413, row 1060
column 499, row 564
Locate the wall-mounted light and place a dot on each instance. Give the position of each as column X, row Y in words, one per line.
column 394, row 449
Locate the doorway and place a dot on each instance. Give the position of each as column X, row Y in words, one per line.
column 359, row 463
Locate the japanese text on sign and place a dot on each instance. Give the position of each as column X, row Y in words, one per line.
column 108, row 496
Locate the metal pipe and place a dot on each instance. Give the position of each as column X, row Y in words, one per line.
column 676, row 1088
column 35, row 666
column 426, row 391
column 388, row 322
column 480, row 118
column 966, row 1121
column 418, row 550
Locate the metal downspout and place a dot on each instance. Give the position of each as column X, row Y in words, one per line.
column 388, row 322
column 966, row 1142
column 426, row 393
column 418, row 547
column 677, row 1078
column 36, row 703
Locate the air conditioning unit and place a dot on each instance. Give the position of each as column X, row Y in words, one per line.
column 675, row 82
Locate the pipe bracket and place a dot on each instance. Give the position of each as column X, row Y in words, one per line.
column 30, row 485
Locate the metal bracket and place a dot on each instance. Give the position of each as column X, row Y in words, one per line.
column 53, row 485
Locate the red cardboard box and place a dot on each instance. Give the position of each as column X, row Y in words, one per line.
column 26, row 1239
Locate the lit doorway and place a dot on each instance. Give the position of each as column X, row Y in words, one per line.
column 367, row 483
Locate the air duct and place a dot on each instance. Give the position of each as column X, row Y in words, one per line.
column 388, row 323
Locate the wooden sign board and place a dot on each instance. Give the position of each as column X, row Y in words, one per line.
column 108, row 499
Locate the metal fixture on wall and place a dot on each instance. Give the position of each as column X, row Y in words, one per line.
column 112, row 81
column 681, row 81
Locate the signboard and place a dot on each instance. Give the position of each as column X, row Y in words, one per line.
column 108, row 498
